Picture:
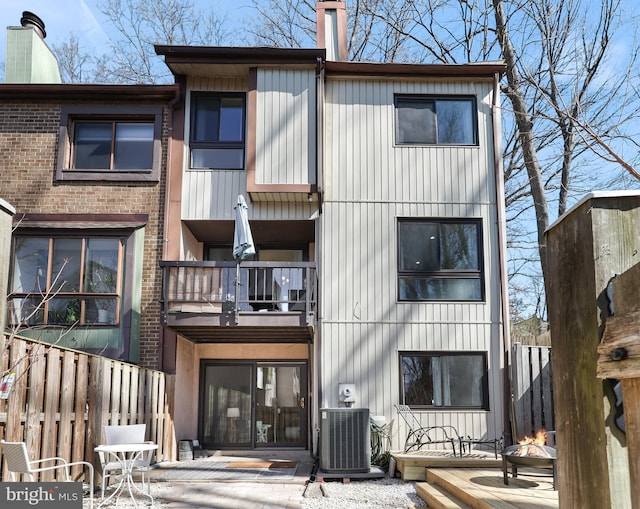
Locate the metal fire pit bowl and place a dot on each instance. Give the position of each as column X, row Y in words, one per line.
column 546, row 459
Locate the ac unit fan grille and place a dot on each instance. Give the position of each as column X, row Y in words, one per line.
column 345, row 444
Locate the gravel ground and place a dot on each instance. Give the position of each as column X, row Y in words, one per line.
column 386, row 492
column 380, row 493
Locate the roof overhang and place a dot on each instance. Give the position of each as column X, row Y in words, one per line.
column 37, row 221
column 209, row 61
column 81, row 92
column 486, row 70
column 235, row 61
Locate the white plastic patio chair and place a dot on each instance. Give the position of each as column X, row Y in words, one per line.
column 125, row 434
column 18, row 462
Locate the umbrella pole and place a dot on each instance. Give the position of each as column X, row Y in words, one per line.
column 237, row 305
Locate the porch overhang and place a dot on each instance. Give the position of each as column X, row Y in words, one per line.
column 250, row 328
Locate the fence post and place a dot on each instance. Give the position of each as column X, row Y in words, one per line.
column 99, row 397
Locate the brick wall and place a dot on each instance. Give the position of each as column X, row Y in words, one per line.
column 28, row 156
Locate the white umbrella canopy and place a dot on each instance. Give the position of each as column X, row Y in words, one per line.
column 243, row 246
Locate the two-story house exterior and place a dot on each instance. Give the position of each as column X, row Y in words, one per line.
column 376, row 205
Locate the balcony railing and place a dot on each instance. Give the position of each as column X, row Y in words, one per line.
column 229, row 288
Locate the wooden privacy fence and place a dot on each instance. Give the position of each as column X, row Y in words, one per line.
column 62, row 399
column 532, row 390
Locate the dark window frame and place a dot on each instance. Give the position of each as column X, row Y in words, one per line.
column 446, row 354
column 70, row 115
column 441, row 274
column 195, row 144
column 433, row 100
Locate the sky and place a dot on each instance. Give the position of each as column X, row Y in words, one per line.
column 83, row 18
column 60, row 17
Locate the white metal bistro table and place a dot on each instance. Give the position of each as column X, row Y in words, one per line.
column 126, row 455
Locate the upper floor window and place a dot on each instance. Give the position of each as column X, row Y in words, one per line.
column 217, row 138
column 66, row 280
column 440, row 259
column 444, row 379
column 114, row 143
column 427, row 120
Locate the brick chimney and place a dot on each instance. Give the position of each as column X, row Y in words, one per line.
column 29, row 59
column 331, row 29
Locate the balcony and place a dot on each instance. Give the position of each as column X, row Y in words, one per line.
column 250, row 302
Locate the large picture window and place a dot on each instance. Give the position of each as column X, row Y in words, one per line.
column 425, row 120
column 440, row 260
column 217, row 131
column 66, row 281
column 444, row 379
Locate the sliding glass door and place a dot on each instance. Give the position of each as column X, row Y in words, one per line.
column 255, row 404
column 226, row 405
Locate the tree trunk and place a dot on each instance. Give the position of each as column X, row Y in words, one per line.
column 525, row 132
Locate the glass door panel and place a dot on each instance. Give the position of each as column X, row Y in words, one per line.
column 253, row 404
column 280, row 417
column 226, row 407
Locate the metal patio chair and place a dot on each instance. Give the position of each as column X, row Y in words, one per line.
column 125, row 434
column 420, row 436
column 18, row 462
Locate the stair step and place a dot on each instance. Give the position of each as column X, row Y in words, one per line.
column 438, row 498
column 458, row 484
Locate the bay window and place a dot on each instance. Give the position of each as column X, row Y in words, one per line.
column 66, row 280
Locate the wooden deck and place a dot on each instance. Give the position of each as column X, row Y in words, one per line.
column 453, row 488
column 412, row 465
column 475, row 481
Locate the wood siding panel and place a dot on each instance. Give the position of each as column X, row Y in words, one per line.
column 286, row 124
column 207, row 193
column 369, row 183
column 286, row 153
column 362, row 166
column 366, row 354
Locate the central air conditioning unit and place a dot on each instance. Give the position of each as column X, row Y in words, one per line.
column 345, row 445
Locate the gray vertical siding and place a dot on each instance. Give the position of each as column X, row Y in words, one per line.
column 210, row 194
column 286, row 124
column 369, row 183
column 286, row 147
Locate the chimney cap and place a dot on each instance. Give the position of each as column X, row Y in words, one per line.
column 30, row 20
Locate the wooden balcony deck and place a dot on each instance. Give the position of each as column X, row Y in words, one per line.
column 474, row 481
column 253, row 301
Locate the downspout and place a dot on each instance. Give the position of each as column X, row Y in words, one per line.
column 317, row 357
column 502, row 250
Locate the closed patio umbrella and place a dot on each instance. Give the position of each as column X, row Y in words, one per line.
column 243, row 246
column 242, row 239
